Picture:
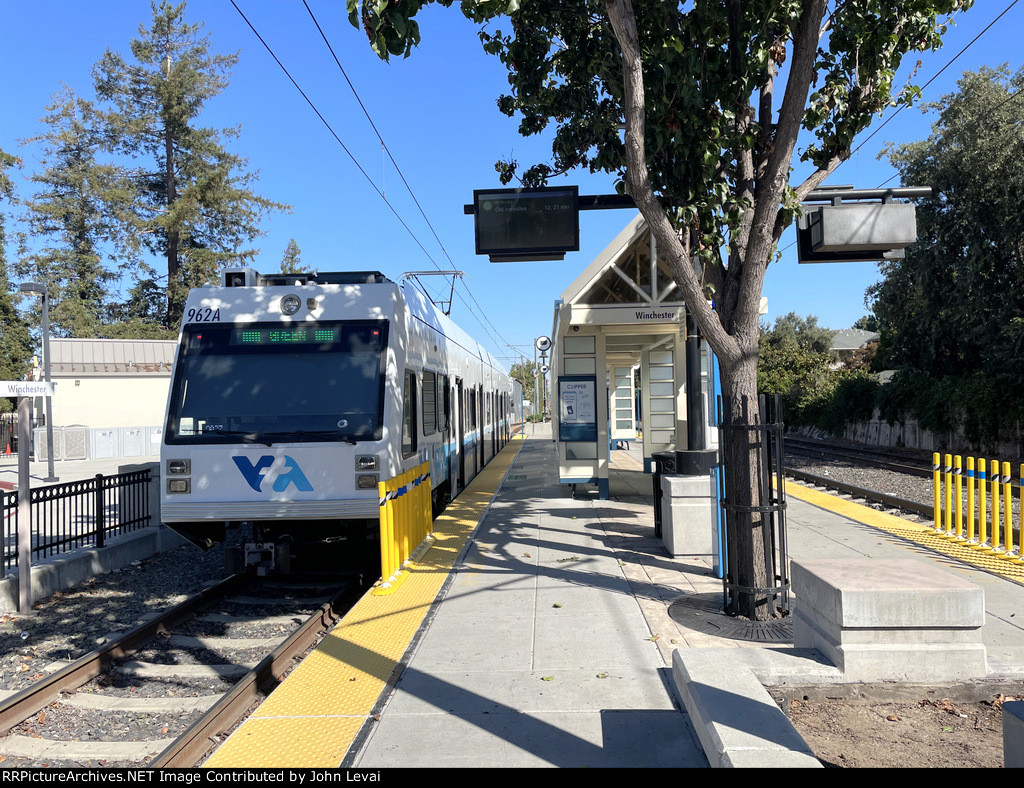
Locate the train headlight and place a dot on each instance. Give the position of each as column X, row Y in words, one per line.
column 367, row 481
column 179, row 467
column 366, row 462
column 290, row 304
column 179, row 486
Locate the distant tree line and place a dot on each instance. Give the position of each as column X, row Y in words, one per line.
column 133, row 202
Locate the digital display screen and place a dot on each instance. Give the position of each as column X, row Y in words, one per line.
column 527, row 221
column 283, row 336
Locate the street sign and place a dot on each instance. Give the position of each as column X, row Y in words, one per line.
column 543, row 344
column 26, row 388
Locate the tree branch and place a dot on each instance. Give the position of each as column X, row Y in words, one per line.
column 638, row 183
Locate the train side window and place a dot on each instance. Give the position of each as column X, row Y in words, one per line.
column 429, row 402
column 409, row 416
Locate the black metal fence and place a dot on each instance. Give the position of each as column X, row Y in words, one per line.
column 73, row 515
column 9, row 432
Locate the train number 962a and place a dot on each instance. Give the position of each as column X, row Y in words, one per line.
column 203, row 314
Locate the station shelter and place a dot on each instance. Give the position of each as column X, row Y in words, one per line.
column 618, row 363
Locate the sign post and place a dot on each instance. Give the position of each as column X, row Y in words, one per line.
column 24, row 390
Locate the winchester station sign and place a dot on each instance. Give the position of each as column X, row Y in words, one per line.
column 633, row 315
column 25, row 388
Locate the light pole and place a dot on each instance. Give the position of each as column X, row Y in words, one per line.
column 35, row 288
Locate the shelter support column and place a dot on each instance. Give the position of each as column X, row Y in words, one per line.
column 603, row 450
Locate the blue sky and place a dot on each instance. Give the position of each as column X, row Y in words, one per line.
column 436, row 111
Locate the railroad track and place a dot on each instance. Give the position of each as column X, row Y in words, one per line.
column 874, row 496
column 917, row 465
column 909, row 463
column 161, row 694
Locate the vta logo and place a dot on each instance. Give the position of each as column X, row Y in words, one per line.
column 282, row 471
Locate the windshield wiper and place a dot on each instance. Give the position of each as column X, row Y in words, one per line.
column 247, row 436
column 343, row 438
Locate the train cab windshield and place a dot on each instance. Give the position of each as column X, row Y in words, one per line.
column 273, row 383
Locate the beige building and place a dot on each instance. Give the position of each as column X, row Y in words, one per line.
column 105, row 383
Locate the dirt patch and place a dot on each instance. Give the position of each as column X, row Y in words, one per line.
column 884, row 726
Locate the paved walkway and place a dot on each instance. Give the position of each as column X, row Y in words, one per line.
column 553, row 643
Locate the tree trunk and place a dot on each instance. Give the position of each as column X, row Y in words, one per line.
column 748, row 554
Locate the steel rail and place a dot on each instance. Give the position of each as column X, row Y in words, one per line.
column 194, row 743
column 923, row 471
column 925, row 510
column 24, row 704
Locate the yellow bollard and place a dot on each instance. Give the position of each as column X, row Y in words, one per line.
column 386, row 531
column 937, row 489
column 958, row 532
column 393, row 525
column 997, row 548
column 424, row 501
column 1010, row 554
column 400, row 501
column 407, row 518
column 982, row 508
column 1020, row 481
column 947, row 471
column 970, row 502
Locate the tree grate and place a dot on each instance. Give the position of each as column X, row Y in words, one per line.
column 704, row 613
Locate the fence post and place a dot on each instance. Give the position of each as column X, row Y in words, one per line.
column 98, row 510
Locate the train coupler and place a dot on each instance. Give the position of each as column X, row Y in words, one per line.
column 267, row 557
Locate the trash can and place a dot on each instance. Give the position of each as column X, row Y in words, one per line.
column 663, row 462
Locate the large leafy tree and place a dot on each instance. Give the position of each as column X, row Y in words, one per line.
column 192, row 206
column 15, row 342
column 794, row 359
column 68, row 213
column 713, row 95
column 526, row 373
column 955, row 305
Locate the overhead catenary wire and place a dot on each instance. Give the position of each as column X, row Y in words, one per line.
column 337, row 138
column 398, row 169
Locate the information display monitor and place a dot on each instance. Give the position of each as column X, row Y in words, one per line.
column 527, row 224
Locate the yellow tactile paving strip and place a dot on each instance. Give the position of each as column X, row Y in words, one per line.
column 312, row 719
column 914, row 532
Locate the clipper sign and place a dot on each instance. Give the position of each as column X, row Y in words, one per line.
column 279, row 471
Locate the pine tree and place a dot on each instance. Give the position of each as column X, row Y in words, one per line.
column 192, row 205
column 69, row 211
column 291, row 263
column 15, row 342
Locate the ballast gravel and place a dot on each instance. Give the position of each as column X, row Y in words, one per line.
column 78, row 620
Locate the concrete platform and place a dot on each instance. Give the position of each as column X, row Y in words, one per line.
column 554, row 644
column 554, row 639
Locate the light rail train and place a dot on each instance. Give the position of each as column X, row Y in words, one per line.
column 293, row 395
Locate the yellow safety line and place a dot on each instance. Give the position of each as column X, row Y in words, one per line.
column 921, row 534
column 312, row 718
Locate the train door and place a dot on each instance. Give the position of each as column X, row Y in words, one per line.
column 492, row 399
column 480, row 436
column 461, row 400
column 445, row 425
